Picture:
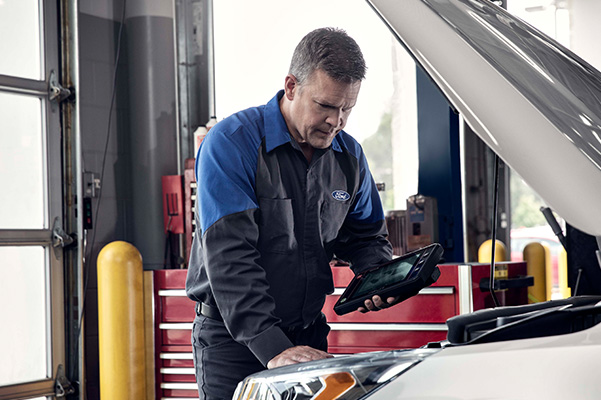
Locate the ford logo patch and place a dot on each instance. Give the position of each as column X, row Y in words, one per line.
column 340, row 195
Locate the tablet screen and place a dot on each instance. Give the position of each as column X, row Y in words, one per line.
column 402, row 278
column 385, row 276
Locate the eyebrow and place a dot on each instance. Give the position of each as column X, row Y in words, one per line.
column 328, row 105
column 325, row 104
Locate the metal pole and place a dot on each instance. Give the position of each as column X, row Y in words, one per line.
column 73, row 192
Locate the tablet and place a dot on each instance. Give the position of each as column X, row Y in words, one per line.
column 404, row 277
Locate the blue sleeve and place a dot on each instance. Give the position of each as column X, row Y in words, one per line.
column 225, row 173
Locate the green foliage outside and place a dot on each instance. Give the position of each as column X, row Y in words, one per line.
column 378, row 150
column 525, row 205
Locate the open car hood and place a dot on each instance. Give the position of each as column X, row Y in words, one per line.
column 534, row 102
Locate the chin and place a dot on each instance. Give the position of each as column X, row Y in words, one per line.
column 321, row 144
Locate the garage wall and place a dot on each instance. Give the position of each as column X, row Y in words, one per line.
column 98, row 31
column 142, row 136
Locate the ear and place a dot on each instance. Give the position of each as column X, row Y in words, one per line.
column 290, row 86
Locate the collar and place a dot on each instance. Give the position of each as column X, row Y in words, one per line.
column 276, row 130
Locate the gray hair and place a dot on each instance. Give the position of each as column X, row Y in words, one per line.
column 331, row 50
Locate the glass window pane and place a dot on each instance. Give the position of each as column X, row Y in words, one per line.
column 21, row 163
column 24, row 337
column 20, row 38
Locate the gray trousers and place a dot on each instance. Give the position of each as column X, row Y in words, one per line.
column 221, row 362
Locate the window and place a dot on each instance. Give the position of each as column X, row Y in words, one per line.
column 31, row 280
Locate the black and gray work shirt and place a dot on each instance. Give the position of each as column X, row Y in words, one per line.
column 269, row 222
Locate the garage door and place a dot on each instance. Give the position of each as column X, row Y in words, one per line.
column 31, row 256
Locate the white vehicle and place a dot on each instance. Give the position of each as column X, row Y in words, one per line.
column 516, row 88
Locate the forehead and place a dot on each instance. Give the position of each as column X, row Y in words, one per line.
column 324, row 89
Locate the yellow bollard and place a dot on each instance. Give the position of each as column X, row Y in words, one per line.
column 121, row 323
column 535, row 257
column 485, row 253
column 562, row 274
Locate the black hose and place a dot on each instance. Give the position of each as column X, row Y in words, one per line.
column 494, row 232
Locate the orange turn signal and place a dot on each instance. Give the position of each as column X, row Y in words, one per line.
column 335, row 385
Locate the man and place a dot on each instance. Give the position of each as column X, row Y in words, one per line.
column 281, row 189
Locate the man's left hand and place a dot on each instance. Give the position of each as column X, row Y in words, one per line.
column 377, row 304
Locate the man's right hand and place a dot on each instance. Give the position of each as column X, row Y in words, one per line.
column 297, row 354
column 376, row 303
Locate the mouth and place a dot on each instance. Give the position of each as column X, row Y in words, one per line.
column 326, row 133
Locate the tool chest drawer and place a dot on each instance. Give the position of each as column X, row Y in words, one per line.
column 420, row 319
column 173, row 317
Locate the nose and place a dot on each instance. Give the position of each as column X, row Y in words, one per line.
column 335, row 119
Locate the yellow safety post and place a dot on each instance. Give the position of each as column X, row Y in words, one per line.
column 485, row 251
column 535, row 257
column 562, row 272
column 485, row 254
column 121, row 322
column 548, row 271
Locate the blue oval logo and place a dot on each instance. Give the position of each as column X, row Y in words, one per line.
column 340, row 195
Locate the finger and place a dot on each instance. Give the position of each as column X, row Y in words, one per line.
column 317, row 354
column 369, row 305
column 295, row 355
column 377, row 301
column 306, row 353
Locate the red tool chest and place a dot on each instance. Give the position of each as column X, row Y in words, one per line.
column 173, row 317
column 420, row 319
column 413, row 323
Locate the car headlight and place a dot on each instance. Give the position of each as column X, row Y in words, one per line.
column 351, row 376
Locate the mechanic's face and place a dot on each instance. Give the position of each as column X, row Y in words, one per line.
column 319, row 108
